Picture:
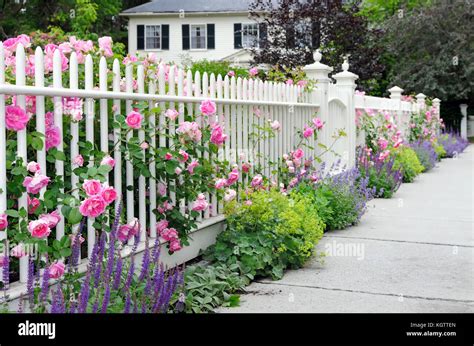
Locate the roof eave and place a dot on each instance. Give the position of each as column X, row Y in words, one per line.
column 165, row 14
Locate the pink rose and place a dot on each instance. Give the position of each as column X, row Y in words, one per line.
column 171, row 114
column 33, row 204
column 383, row 155
column 253, row 71
column 92, row 187
column 134, row 120
column 289, row 82
column 33, row 167
column 92, row 206
column 3, row 221
column 15, row 118
column 178, row 170
column 144, row 146
column 231, row 73
column 56, row 270
column 18, row 251
column 175, row 245
column 161, row 189
column 109, row 194
column 308, row 132
column 78, row 160
column 105, row 45
column 189, row 131
column 192, row 165
column 53, row 137
column 207, row 107
column 36, row 183
column 318, row 123
column 52, row 218
column 383, row 143
column 257, row 180
column 108, row 161
column 275, row 125
column 220, row 183
column 161, row 226
column 169, row 234
column 184, row 156
column 302, row 83
column 233, row 177
column 217, row 135
column 39, row 229
column 397, row 143
column 229, row 195
column 246, row 167
column 298, row 154
column 125, row 232
column 168, row 156
column 200, row 203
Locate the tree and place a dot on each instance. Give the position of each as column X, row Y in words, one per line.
column 377, row 11
column 432, row 51
column 297, row 27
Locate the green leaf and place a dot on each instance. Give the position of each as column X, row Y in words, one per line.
column 59, row 155
column 74, row 216
column 66, row 252
column 12, row 213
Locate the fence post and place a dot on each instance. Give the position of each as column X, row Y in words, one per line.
column 420, row 101
column 437, row 109
column 345, row 80
column 396, row 94
column 320, row 72
column 463, row 130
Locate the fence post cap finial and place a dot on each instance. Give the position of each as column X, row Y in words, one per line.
column 420, row 96
column 395, row 89
column 317, row 55
column 345, row 64
column 436, row 100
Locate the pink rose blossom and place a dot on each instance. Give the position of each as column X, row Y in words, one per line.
column 178, row 170
column 39, row 229
column 246, row 167
column 257, row 180
column 78, row 160
column 53, row 137
column 15, row 118
column 108, row 161
column 92, row 187
column 231, row 73
column 383, row 155
column 184, row 156
column 33, row 204
column 192, row 165
column 134, row 120
column 169, row 234
column 233, row 177
column 161, row 189
column 229, row 195
column 171, row 114
column 220, row 183
column 144, row 146
column 289, row 82
column 33, row 167
column 175, row 245
column 275, row 125
column 298, row 154
column 127, row 231
column 161, row 226
column 36, row 183
column 302, row 83
column 3, row 221
column 56, row 270
column 383, row 143
column 308, row 132
column 105, row 45
column 18, row 251
column 189, row 131
column 52, row 218
column 200, row 203
column 109, row 194
column 92, row 206
column 217, row 135
column 207, row 107
column 253, row 71
column 168, row 156
column 318, row 123
column 129, row 59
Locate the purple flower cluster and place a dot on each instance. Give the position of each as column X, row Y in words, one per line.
column 452, row 143
column 109, row 280
column 379, row 173
column 426, row 153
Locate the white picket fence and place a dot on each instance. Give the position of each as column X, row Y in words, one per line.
column 239, row 102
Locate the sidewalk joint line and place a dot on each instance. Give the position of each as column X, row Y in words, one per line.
column 397, row 241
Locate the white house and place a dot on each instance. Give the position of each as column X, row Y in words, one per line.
column 179, row 30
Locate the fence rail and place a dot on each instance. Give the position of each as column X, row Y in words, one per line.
column 242, row 104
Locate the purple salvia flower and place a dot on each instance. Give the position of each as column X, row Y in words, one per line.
column 127, row 304
column 45, row 285
column 105, row 301
column 6, row 273
column 76, row 248
column 30, row 281
column 118, row 274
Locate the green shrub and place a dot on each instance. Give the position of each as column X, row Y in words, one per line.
column 209, row 286
column 439, row 150
column 271, row 234
column 407, row 160
column 217, row 67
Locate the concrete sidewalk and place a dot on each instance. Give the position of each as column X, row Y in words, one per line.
column 415, row 254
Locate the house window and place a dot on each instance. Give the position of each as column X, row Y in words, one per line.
column 198, row 36
column 153, row 37
column 250, row 35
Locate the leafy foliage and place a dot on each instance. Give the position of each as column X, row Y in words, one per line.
column 407, row 160
column 268, row 235
column 217, row 67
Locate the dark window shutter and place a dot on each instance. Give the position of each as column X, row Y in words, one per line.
column 263, row 37
column 315, row 35
column 165, row 37
column 211, row 36
column 186, row 36
column 140, row 37
column 290, row 36
column 237, row 35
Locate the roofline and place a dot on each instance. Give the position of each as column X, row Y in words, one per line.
column 167, row 14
